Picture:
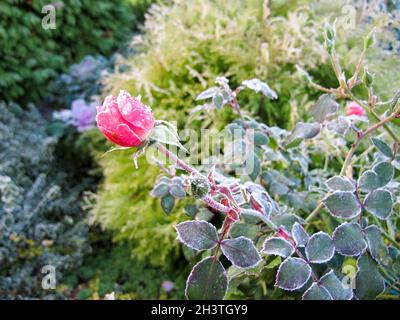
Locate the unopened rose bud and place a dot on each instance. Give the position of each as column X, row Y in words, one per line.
column 369, row 39
column 124, row 120
column 368, row 78
column 199, row 187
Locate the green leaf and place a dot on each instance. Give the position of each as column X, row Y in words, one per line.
column 276, row 261
column 286, row 220
column 369, row 181
column 197, row 235
column 177, row 191
column 383, row 147
column 349, row 239
column 260, row 138
column 207, row 281
column 241, row 252
column 301, row 132
column 167, row 135
column 340, row 183
column 300, row 236
column 337, row 289
column 319, row 248
column 160, row 190
column 191, row 210
column 254, row 165
column 244, row 229
column 369, row 282
column 317, row 292
column 204, row 214
column 167, row 203
column 385, row 172
column 379, row 203
column 376, row 246
column 210, row 92
column 369, row 39
column 324, row 107
column 278, row 246
column 292, row 274
column 343, row 204
column 218, row 100
column 257, row 85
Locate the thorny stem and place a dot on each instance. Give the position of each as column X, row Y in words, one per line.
column 350, row 154
column 208, row 200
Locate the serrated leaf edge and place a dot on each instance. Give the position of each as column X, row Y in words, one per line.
column 318, row 285
column 308, row 236
column 279, row 269
column 391, row 195
column 327, row 274
column 321, row 261
column 276, row 254
column 195, row 222
column 350, row 255
column 344, row 178
column 337, row 216
column 243, row 268
column 191, row 272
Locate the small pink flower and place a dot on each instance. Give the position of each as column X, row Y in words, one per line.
column 354, row 109
column 124, row 120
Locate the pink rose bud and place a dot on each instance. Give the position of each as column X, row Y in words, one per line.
column 354, row 109
column 124, row 120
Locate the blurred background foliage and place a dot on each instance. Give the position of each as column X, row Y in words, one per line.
column 63, row 202
column 32, row 55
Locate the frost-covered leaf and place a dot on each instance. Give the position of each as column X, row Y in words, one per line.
column 385, row 172
column 260, row 138
column 324, row 107
column 278, row 246
column 177, row 191
column 379, row 203
column 160, row 190
column 340, row 125
column 191, row 210
column 257, row 86
column 286, row 220
column 320, row 248
column 301, row 132
column 369, row 282
column 207, row 93
column 218, row 100
column 207, row 281
column 241, row 252
column 340, row 183
column 376, row 246
column 198, row 235
column 293, row 274
column 317, row 292
column 167, row 203
column 382, row 147
column 204, row 214
column 369, row 181
column 244, row 229
column 167, row 135
column 337, row 289
column 299, row 235
column 343, row 204
column 253, row 164
column 349, row 239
